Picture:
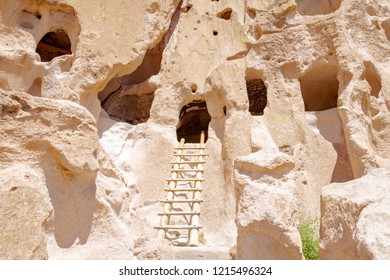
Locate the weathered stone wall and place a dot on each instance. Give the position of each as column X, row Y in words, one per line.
column 133, row 66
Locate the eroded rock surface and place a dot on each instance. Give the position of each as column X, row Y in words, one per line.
column 24, row 209
column 294, row 96
column 54, row 144
column 355, row 218
column 267, row 218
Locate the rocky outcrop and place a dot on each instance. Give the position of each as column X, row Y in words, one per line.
column 54, row 196
column 292, row 96
column 267, row 218
column 24, row 210
column 355, row 220
column 152, row 249
column 122, row 44
column 54, row 144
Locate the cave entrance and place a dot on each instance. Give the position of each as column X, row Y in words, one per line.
column 193, row 119
column 54, row 44
column 320, row 88
column 131, row 108
column 257, row 96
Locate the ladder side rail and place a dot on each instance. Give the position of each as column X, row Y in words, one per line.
column 194, row 232
column 164, row 220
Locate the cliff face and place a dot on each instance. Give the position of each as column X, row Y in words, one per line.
column 94, row 96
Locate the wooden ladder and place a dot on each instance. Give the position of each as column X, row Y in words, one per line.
column 184, row 191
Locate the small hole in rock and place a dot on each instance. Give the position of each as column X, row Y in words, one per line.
column 224, row 110
column 54, row 44
column 225, row 14
column 13, row 189
column 187, row 8
column 215, row 33
column 251, row 13
column 193, row 119
column 194, row 88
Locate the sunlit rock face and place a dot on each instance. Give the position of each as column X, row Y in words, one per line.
column 293, row 97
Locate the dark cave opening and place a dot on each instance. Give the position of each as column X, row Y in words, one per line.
column 54, row 44
column 257, row 95
column 193, row 119
column 131, row 108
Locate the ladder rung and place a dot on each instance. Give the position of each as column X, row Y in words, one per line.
column 190, row 155
column 184, row 180
column 179, row 213
column 181, row 200
column 178, row 227
column 188, row 162
column 186, row 170
column 183, row 190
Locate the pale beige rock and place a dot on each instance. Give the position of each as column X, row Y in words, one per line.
column 146, row 248
column 58, row 139
column 267, row 217
column 354, row 223
column 24, row 210
column 373, row 231
column 201, row 253
column 122, row 44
